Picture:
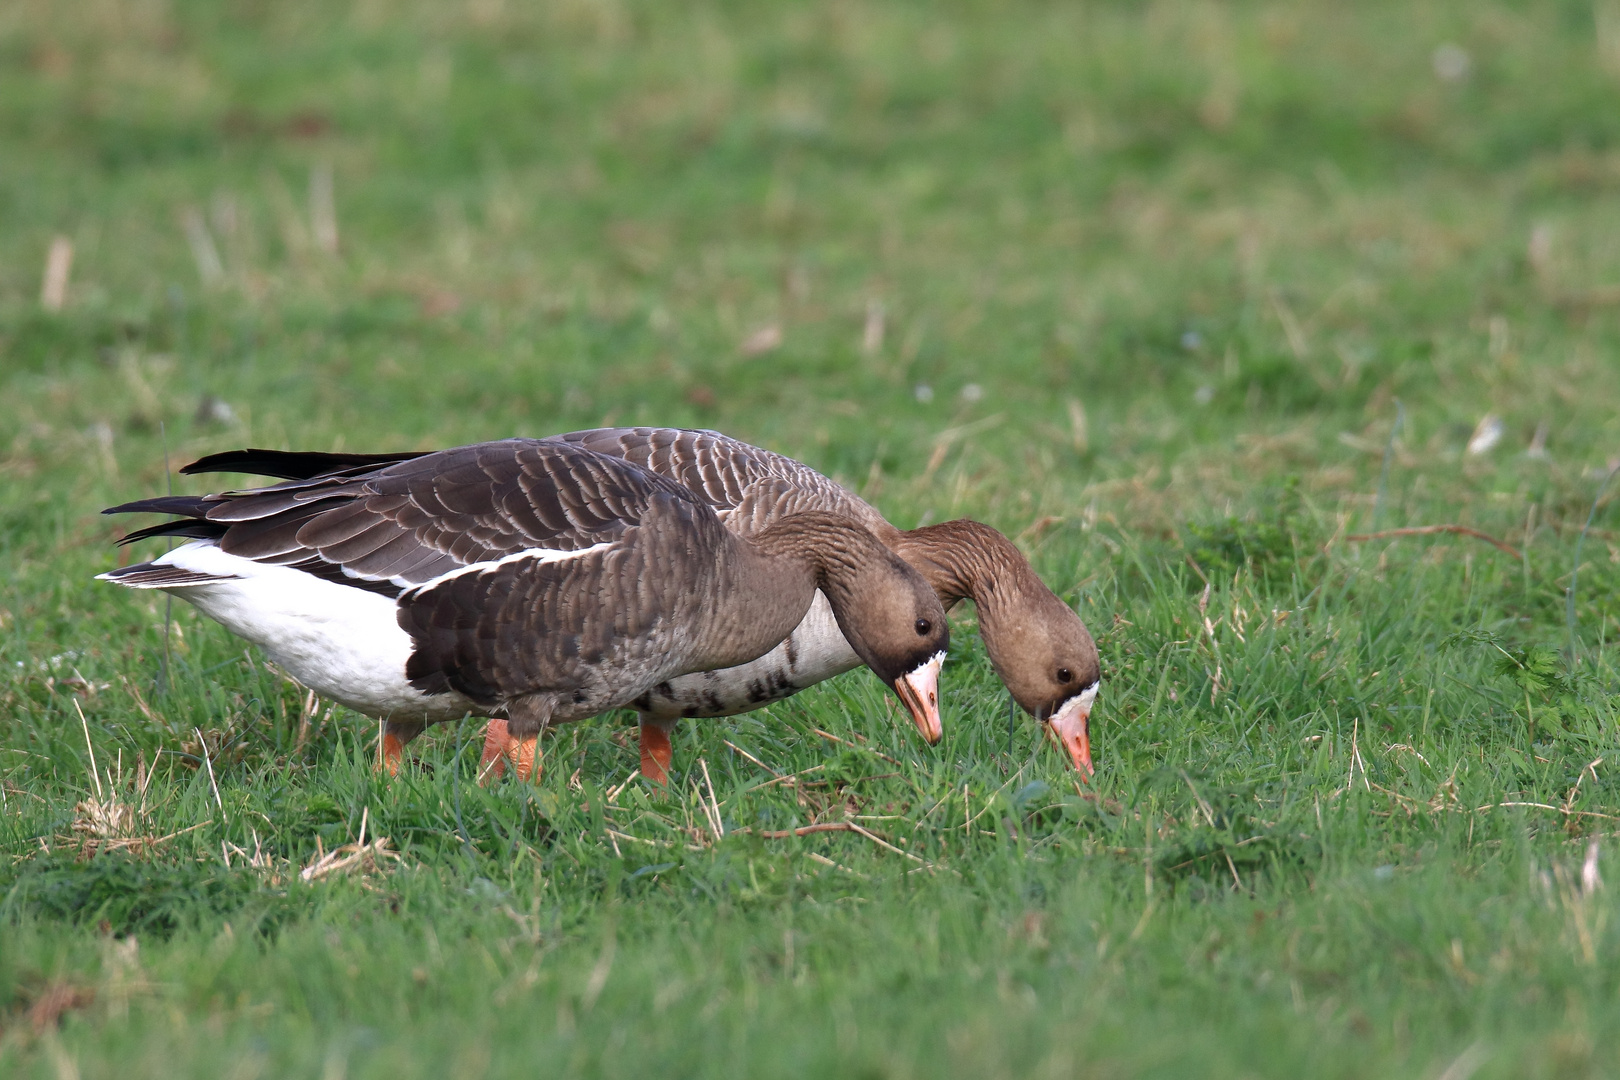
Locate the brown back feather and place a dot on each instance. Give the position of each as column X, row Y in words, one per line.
column 752, row 488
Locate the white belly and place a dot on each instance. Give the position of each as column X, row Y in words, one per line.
column 341, row 642
column 815, row 651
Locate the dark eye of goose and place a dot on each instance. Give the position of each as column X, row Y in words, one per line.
column 923, row 627
column 1064, row 674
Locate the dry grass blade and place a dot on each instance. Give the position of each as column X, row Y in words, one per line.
column 1356, row 760
column 791, row 780
column 824, row 861
column 209, row 761
column 835, row 826
column 614, row 793
column 85, row 724
column 257, row 860
column 58, row 265
column 617, row 835
column 854, row 746
column 140, row 702
column 752, row 758
column 138, row 844
column 358, row 856
column 204, row 252
column 882, row 843
column 805, row 830
column 1429, row 530
column 873, row 331
column 103, row 819
column 366, row 858
column 1548, row 806
column 713, row 808
column 762, row 341
column 323, row 226
column 1465, row 1064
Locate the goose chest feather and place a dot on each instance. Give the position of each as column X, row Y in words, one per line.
column 536, row 580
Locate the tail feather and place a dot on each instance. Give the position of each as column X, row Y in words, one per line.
column 187, row 505
column 291, row 464
column 158, row 576
column 193, row 511
column 195, row 528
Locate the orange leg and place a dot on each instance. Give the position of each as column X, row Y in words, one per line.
column 497, row 744
column 526, row 758
column 655, row 753
column 500, row 746
column 396, row 733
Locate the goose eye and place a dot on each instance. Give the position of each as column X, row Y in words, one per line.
column 923, row 627
column 1064, row 674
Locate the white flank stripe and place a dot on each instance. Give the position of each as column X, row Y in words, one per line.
column 539, row 555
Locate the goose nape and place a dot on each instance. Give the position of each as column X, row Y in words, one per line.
column 528, row 580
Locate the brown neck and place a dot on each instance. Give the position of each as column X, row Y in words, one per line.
column 763, row 587
column 965, row 560
column 771, row 578
column 833, row 547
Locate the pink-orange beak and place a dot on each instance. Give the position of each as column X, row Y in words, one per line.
column 919, row 690
column 1072, row 726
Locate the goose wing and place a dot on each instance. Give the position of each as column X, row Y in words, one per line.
column 407, row 522
column 588, row 627
column 519, row 566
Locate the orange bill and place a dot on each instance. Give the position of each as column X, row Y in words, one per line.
column 919, row 690
column 1072, row 726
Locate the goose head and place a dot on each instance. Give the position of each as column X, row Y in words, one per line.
column 896, row 625
column 1047, row 658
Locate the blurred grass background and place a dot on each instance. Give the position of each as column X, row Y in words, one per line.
column 1147, row 286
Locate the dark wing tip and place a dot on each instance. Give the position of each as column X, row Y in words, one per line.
column 193, row 528
column 187, row 505
column 290, row 464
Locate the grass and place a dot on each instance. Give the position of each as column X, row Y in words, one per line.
column 1147, row 287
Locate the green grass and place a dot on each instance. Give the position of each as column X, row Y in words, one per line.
column 1154, row 284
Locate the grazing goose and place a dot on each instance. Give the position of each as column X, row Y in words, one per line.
column 537, row 581
column 1036, row 643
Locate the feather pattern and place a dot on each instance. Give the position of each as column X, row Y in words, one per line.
column 752, row 488
column 534, row 578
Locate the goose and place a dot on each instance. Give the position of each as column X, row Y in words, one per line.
column 535, row 581
column 1036, row 643
column 1038, row 646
